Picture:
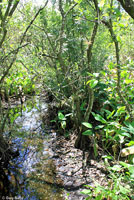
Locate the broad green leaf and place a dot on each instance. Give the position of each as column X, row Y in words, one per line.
column 61, row 116
column 130, row 143
column 99, row 118
column 88, row 132
column 126, row 165
column 99, row 127
column 125, row 129
column 93, row 83
column 125, row 134
column 114, row 124
column 86, row 124
column 86, row 191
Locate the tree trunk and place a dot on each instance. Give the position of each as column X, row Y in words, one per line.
column 128, row 6
column 82, row 142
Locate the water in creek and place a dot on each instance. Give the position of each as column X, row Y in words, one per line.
column 32, row 175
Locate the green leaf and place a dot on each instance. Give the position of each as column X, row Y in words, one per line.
column 124, row 164
column 93, row 83
column 130, row 143
column 111, row 114
column 116, row 168
column 53, row 120
column 124, row 190
column 108, row 157
column 130, row 127
column 99, row 197
column 63, row 124
column 86, row 191
column 125, row 129
column 99, row 127
column 78, row 1
column 116, row 124
column 125, row 134
column 99, row 118
column 61, row 116
column 86, row 124
column 87, row 132
column 111, row 65
column 131, row 169
column 128, row 81
column 121, row 110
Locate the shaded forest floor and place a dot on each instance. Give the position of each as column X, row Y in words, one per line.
column 72, row 171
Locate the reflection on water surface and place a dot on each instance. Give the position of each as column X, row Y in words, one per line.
column 32, row 174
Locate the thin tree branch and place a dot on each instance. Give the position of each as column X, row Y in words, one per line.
column 22, row 39
column 36, row 15
column 48, row 38
column 49, row 56
column 64, row 15
column 71, row 8
column 13, row 51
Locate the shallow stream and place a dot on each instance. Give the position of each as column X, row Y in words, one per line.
column 32, row 175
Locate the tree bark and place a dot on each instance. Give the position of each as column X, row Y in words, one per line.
column 128, row 6
column 82, row 141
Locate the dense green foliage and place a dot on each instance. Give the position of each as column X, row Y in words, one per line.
column 80, row 52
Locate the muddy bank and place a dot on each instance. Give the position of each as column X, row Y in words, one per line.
column 72, row 170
